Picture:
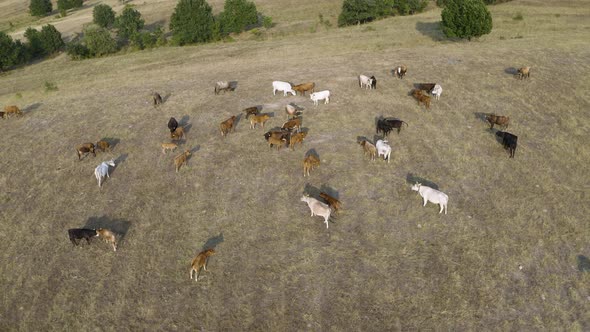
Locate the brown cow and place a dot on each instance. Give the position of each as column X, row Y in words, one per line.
column 297, row 138
column 181, row 159
column 309, row 163
column 294, row 123
column 369, row 149
column 227, row 126
column 84, row 149
column 421, row 97
column 177, row 134
column 13, row 109
column 104, row 146
column 279, row 142
column 301, row 88
column 400, row 71
column 523, row 72
column 250, row 111
column 332, row 202
column 256, row 119
column 500, row 120
column 280, row 134
column 108, row 236
column 200, row 261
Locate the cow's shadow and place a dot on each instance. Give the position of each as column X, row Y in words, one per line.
column 233, row 85
column 583, row 263
column 213, row 242
column 166, row 97
column 511, row 71
column 195, row 149
column 31, row 108
column 118, row 226
column 430, row 29
column 480, row 116
column 413, row 179
column 120, row 160
column 360, row 139
column 311, row 191
column 237, row 121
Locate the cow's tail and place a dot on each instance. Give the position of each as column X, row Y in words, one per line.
column 404, row 122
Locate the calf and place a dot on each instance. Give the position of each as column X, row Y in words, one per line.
column 332, row 202
column 200, row 261
column 102, row 170
column 322, row 95
column 301, row 88
column 317, row 208
column 369, row 149
column 172, row 124
column 84, row 149
column 223, row 86
column 292, row 124
column 400, row 71
column 500, row 120
column 256, row 119
column 523, row 72
column 13, row 109
column 297, row 138
column 250, row 111
column 383, row 149
column 432, row 195
column 509, row 141
column 227, row 126
column 168, row 146
column 157, row 99
column 177, row 134
column 108, row 236
column 309, row 163
column 365, row 81
column 104, row 146
column 76, row 234
column 181, row 159
column 279, row 142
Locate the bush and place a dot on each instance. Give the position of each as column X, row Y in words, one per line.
column 51, row 39
column 6, row 51
column 267, row 22
column 40, row 7
column 77, row 51
column 237, row 15
column 361, row 11
column 129, row 22
column 103, row 15
column 50, row 86
column 64, row 5
column 35, row 45
column 466, row 19
column 441, row 3
column 191, row 22
column 98, row 40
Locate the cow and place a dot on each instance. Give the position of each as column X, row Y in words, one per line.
column 294, row 123
column 256, row 119
column 523, row 72
column 84, row 149
column 500, row 120
column 13, row 109
column 432, row 195
column 250, row 111
column 304, row 87
column 102, row 170
column 282, row 86
column 386, row 125
column 277, row 133
column 172, row 124
column 309, row 163
column 76, row 234
column 400, row 71
column 369, row 149
column 157, row 99
column 291, row 111
column 509, row 141
column 227, row 126
column 108, row 236
column 365, row 81
column 436, row 91
column 317, row 208
column 104, row 146
column 383, row 149
column 297, row 138
column 200, row 261
column 333, row 203
column 322, row 95
column 223, row 86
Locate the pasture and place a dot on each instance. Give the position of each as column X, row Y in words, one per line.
column 511, row 254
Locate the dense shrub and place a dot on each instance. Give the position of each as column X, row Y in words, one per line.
column 35, row 45
column 103, row 15
column 466, row 19
column 98, row 40
column 441, row 3
column 129, row 22
column 63, row 5
column 40, row 7
column 77, row 51
column 237, row 15
column 51, row 39
column 6, row 51
column 361, row 11
column 191, row 22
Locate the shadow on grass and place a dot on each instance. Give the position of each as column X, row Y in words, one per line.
column 430, row 29
column 213, row 242
column 412, row 179
column 511, row 71
column 481, row 116
column 583, row 263
column 120, row 159
column 118, row 226
column 31, row 108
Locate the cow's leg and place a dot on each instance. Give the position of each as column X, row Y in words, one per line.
column 441, row 208
column 425, row 201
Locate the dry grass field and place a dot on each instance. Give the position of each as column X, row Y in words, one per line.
column 509, row 255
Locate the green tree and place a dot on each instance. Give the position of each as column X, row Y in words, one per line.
column 35, row 43
column 64, row 5
column 237, row 15
column 77, row 51
column 129, row 22
column 191, row 22
column 98, row 40
column 51, row 39
column 357, row 11
column 7, row 53
column 466, row 19
column 103, row 15
column 40, row 7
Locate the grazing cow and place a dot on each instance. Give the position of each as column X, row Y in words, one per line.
column 421, row 98
column 304, row 87
column 317, row 96
column 282, row 86
column 332, row 202
column 227, row 126
column 365, row 81
column 297, row 138
column 294, row 123
column 436, row 91
column 386, row 125
column 309, row 163
column 84, row 149
column 369, row 149
column 104, row 146
column 172, row 124
column 108, row 236
column 200, row 261
column 157, row 99
column 181, row 159
column 523, row 72
column 317, row 208
column 177, row 134
column 279, row 142
column 291, row 111
column 250, row 111
column 223, row 86
column 400, row 71
column 169, row 146
column 9, row 110
column 432, row 195
column 373, row 82
column 76, row 234
column 256, row 119
column 509, row 141
column 383, row 149
column 279, row 134
column 500, row 120
column 102, row 170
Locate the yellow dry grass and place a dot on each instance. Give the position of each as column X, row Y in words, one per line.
column 506, row 257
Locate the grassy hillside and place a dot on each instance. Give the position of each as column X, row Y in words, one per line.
column 509, row 255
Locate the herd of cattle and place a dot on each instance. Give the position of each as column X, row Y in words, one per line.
column 290, row 134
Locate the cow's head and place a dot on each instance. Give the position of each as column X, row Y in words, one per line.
column 417, row 186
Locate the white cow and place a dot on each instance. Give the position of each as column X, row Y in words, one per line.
column 102, row 170
column 317, row 96
column 437, row 91
column 432, row 195
column 383, row 149
column 366, row 81
column 282, row 86
column 317, row 208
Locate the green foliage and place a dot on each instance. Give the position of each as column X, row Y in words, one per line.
column 103, row 15
column 192, row 22
column 77, row 51
column 129, row 22
column 51, row 39
column 35, row 44
column 466, row 19
column 441, row 3
column 50, row 86
column 267, row 22
column 40, row 7
column 64, row 5
column 98, row 40
column 361, row 11
column 518, row 17
column 237, row 15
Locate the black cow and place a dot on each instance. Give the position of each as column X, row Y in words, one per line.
column 509, row 141
column 374, row 82
column 172, row 124
column 386, row 125
column 81, row 233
